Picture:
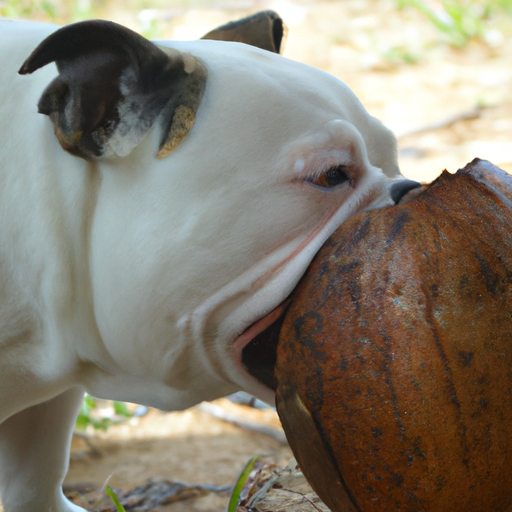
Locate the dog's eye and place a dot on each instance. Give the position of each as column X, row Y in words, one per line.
column 331, row 178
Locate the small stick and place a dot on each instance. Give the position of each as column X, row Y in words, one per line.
column 304, row 497
column 474, row 113
column 221, row 414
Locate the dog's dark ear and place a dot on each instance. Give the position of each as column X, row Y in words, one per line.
column 264, row 29
column 112, row 85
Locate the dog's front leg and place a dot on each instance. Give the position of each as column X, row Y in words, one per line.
column 34, row 455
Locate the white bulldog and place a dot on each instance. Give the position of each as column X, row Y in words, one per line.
column 159, row 225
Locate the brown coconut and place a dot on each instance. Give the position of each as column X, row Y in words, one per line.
column 394, row 365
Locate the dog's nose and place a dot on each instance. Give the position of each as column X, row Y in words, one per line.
column 399, row 189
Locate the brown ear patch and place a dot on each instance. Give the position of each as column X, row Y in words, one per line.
column 112, row 86
column 265, row 30
column 180, row 113
column 182, row 121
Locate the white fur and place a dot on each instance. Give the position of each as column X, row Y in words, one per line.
column 130, row 129
column 132, row 277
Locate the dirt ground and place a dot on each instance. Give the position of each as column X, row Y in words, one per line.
column 449, row 107
column 191, row 446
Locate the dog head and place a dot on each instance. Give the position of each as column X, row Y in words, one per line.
column 223, row 168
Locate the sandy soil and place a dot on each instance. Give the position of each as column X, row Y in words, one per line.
column 358, row 41
column 190, row 446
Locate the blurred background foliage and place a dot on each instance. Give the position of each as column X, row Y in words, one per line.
column 457, row 21
column 460, row 20
column 100, row 415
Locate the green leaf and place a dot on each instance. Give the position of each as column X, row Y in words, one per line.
column 88, row 414
column 121, row 409
column 113, row 497
column 244, row 475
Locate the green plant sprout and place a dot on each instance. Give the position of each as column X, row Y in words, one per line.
column 400, row 54
column 460, row 20
column 114, row 498
column 88, row 415
column 237, row 490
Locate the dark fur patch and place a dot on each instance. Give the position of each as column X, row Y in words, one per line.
column 111, row 87
column 264, row 30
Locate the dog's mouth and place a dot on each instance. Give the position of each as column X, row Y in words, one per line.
column 256, row 348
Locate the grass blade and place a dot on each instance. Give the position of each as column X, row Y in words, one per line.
column 113, row 497
column 237, row 490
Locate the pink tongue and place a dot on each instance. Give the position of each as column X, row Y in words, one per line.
column 255, row 329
